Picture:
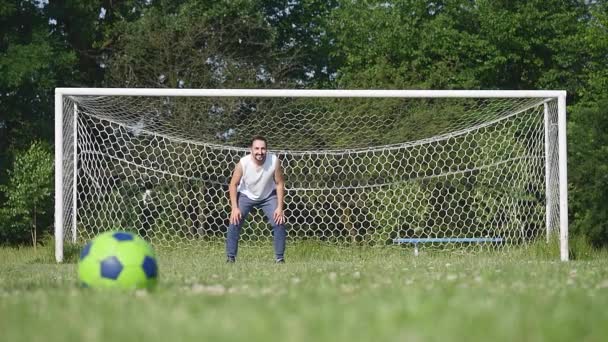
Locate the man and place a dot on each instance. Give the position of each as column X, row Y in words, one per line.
column 257, row 181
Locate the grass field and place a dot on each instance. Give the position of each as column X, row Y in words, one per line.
column 322, row 293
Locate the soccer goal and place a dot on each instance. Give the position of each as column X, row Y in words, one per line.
column 452, row 169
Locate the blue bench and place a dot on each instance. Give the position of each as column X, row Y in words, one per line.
column 416, row 241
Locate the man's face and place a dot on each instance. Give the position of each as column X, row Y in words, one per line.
column 258, row 151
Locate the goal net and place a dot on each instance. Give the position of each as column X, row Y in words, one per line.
column 452, row 169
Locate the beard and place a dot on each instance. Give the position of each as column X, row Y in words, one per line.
column 259, row 157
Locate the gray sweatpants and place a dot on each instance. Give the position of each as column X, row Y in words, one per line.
column 268, row 206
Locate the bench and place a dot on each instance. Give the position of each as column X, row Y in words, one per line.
column 416, row 241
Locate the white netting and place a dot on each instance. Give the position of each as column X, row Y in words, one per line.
column 366, row 170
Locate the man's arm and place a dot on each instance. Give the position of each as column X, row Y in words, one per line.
column 237, row 174
column 280, row 186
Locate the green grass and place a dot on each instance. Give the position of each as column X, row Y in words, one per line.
column 322, row 294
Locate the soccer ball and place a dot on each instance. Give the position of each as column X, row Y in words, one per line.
column 118, row 259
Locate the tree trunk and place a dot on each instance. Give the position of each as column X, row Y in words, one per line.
column 33, row 232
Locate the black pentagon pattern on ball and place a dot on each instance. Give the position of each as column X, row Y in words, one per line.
column 85, row 251
column 123, row 236
column 111, row 268
column 150, row 267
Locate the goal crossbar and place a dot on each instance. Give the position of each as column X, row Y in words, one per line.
column 311, row 93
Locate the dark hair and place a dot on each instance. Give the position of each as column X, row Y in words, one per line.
column 258, row 137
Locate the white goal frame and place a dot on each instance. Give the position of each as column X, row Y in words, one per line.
column 559, row 95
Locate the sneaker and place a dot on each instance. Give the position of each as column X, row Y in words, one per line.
column 280, row 261
column 230, row 260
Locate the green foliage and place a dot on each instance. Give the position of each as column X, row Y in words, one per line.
column 28, row 196
column 301, row 29
column 458, row 44
column 196, row 45
column 588, row 171
column 82, row 25
column 33, row 60
column 595, row 40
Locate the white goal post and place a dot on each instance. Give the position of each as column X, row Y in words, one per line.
column 376, row 167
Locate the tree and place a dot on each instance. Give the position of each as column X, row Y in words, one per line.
column 33, row 60
column 44, row 45
column 532, row 44
column 594, row 40
column 459, row 44
column 302, row 32
column 28, row 192
column 587, row 139
column 196, row 45
column 588, row 170
column 82, row 26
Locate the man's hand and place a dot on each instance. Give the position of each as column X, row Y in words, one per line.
column 235, row 216
column 278, row 216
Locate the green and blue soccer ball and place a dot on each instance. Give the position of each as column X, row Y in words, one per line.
column 118, row 259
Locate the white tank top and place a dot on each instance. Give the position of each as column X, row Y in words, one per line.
column 258, row 181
